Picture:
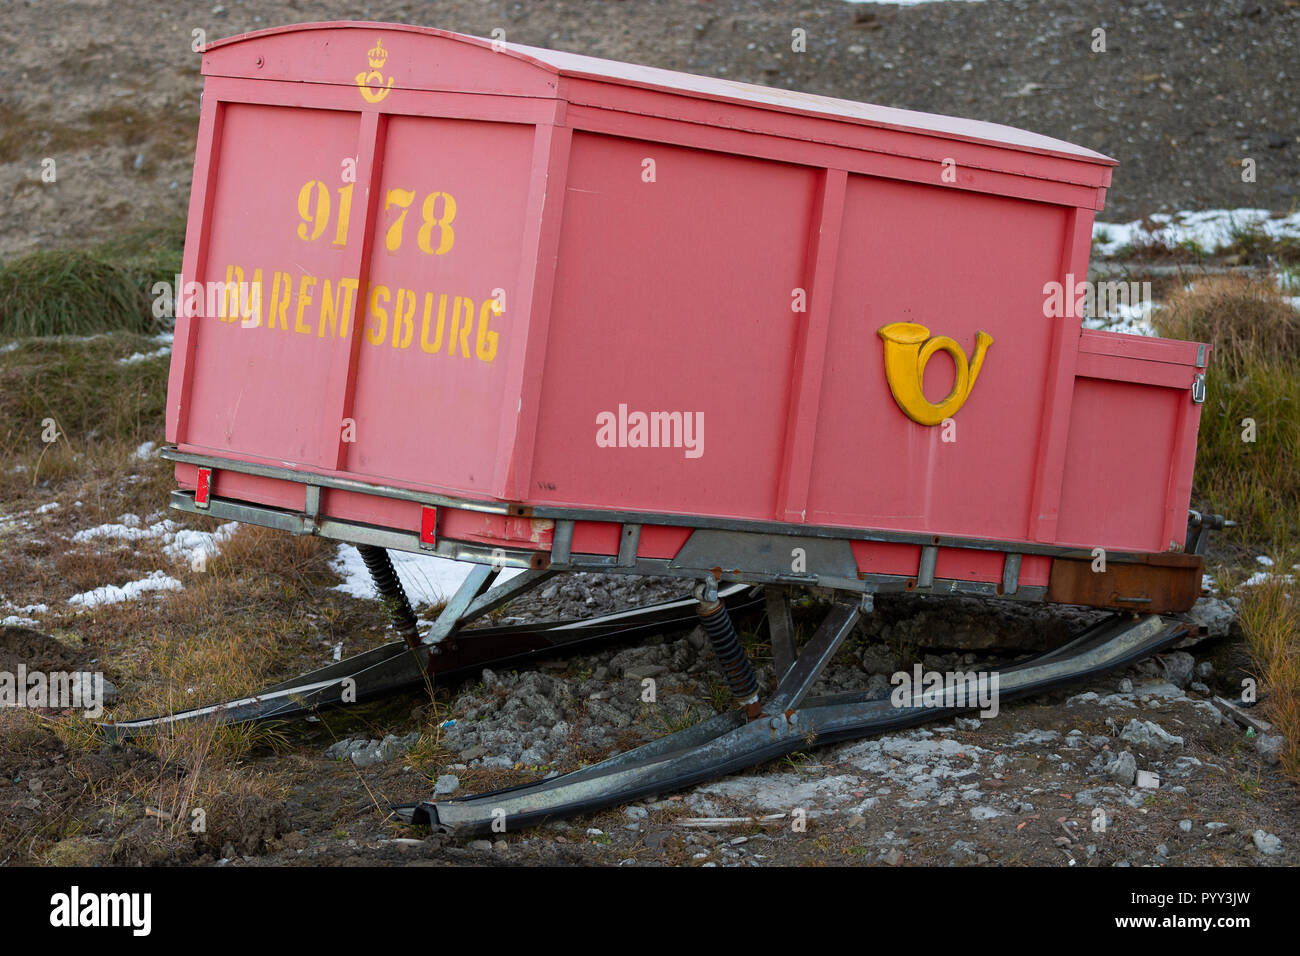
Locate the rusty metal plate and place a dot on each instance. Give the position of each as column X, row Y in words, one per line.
column 1157, row 584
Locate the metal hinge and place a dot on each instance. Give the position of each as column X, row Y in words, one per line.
column 1198, row 388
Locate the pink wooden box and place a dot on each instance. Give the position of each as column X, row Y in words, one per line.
column 523, row 302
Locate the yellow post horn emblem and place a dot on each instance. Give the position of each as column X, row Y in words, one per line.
column 371, row 82
column 908, row 347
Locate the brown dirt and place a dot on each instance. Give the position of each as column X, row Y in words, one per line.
column 110, row 88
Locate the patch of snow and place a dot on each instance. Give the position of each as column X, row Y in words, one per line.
column 192, row 546
column 1131, row 319
column 28, row 608
column 1211, row 229
column 180, row 544
column 16, row 621
column 127, row 528
column 47, row 508
column 157, row 581
column 1263, row 577
column 425, row 577
column 137, row 357
column 145, row 451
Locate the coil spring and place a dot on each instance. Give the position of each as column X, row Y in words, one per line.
column 389, row 586
column 726, row 645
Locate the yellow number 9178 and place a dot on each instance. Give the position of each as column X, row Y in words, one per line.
column 314, row 210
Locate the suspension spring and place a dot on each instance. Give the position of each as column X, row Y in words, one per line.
column 726, row 645
column 390, row 589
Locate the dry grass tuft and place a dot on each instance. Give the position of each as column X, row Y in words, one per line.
column 1248, row 455
column 1270, row 617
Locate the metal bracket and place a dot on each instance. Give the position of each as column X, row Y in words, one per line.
column 780, row 627
column 627, row 545
column 706, row 590
column 480, row 579
column 1011, row 574
column 310, row 511
column 925, row 573
column 1198, row 388
column 561, row 543
column 812, row 660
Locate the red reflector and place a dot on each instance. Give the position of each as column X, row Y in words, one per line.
column 428, row 526
column 204, row 488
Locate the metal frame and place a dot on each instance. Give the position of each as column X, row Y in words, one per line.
column 727, row 549
column 561, row 514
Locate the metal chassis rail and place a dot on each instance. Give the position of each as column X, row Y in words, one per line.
column 726, row 549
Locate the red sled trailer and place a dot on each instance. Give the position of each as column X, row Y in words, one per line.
column 536, row 310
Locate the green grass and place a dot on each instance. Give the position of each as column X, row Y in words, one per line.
column 1255, row 246
column 92, row 398
column 88, row 291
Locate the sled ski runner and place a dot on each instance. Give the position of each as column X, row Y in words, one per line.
column 447, row 650
column 786, row 722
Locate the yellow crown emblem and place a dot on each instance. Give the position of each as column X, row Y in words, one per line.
column 378, row 56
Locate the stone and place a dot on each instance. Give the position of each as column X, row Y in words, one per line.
column 642, row 671
column 1266, row 843
column 340, row 749
column 1179, row 666
column 1215, row 615
column 1147, row 780
column 1148, row 734
column 967, row 723
column 445, row 784
column 1122, row 768
column 879, row 659
column 365, row 753
column 1270, row 747
column 1185, row 826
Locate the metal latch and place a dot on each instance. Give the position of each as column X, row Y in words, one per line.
column 1198, row 388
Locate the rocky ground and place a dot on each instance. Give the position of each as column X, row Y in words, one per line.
column 1137, row 767
column 1182, row 93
